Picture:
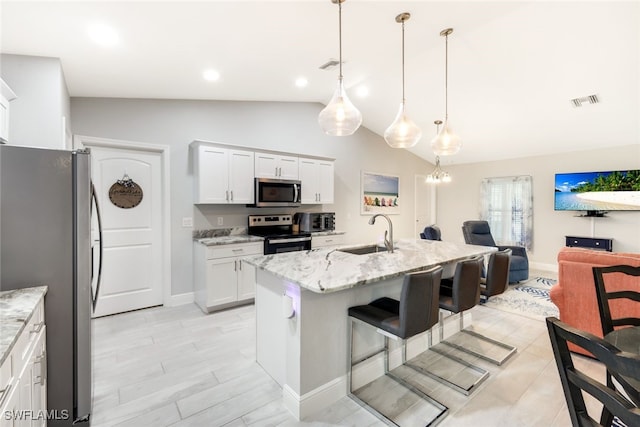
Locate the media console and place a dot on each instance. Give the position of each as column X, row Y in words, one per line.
column 589, row 242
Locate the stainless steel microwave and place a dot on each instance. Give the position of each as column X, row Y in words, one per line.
column 271, row 192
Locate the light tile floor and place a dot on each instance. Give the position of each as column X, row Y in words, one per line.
column 178, row 367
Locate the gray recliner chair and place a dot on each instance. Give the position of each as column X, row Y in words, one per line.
column 431, row 232
column 479, row 233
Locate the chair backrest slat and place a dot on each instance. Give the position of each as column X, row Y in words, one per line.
column 610, row 289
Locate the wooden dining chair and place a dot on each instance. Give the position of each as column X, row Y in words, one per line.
column 575, row 381
column 618, row 294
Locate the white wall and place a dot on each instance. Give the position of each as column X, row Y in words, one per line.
column 42, row 103
column 288, row 127
column 459, row 200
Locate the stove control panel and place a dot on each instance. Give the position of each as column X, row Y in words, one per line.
column 269, row 220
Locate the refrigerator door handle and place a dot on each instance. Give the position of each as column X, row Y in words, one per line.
column 94, row 199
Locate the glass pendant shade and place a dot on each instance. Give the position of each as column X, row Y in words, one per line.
column 340, row 117
column 403, row 132
column 446, row 143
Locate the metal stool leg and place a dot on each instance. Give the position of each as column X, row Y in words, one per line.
column 442, row 408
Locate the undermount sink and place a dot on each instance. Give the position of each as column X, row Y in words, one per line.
column 364, row 250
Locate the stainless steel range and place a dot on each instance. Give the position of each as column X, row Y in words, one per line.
column 278, row 234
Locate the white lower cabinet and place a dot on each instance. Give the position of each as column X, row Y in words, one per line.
column 23, row 377
column 221, row 277
column 330, row 240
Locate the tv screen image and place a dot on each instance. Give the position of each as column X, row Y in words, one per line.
column 598, row 191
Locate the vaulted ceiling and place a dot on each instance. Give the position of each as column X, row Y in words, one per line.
column 513, row 66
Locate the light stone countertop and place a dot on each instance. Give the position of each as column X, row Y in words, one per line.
column 16, row 308
column 246, row 238
column 326, row 233
column 325, row 270
column 229, row 240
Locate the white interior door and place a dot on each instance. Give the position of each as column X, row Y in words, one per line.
column 132, row 277
column 425, row 213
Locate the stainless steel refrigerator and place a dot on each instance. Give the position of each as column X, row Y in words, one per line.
column 45, row 239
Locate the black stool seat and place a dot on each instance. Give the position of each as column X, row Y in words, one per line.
column 416, row 312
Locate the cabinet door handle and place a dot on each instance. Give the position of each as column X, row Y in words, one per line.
column 42, row 360
column 235, row 265
column 319, row 197
column 37, row 328
column 232, row 195
column 227, row 195
column 240, row 263
column 237, row 250
column 5, row 393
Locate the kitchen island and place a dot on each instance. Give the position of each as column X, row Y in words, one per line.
column 306, row 353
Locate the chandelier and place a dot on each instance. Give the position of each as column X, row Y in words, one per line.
column 438, row 175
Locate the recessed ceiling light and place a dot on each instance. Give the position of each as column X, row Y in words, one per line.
column 302, row 82
column 211, row 75
column 362, row 91
column 103, row 35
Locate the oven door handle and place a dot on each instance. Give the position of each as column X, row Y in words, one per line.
column 287, row 240
column 295, row 194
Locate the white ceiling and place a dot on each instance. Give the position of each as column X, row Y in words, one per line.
column 513, row 66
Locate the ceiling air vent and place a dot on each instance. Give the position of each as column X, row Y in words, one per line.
column 591, row 99
column 329, row 65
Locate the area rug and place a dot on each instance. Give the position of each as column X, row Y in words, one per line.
column 530, row 299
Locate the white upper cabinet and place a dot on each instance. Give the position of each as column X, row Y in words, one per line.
column 222, row 175
column 268, row 165
column 7, row 95
column 317, row 181
column 241, row 188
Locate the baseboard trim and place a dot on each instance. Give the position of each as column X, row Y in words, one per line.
column 543, row 266
column 180, row 299
column 315, row 400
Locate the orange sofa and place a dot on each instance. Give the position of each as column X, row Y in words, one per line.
column 575, row 292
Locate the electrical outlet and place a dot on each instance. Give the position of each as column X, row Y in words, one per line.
column 220, row 221
column 187, row 222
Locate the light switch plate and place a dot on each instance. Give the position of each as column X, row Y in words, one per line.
column 187, row 222
column 220, row 220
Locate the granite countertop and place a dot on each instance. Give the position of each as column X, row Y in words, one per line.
column 326, row 233
column 16, row 308
column 229, row 240
column 224, row 236
column 239, row 235
column 325, row 270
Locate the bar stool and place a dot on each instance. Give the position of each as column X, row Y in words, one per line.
column 495, row 283
column 462, row 292
column 416, row 312
column 457, row 295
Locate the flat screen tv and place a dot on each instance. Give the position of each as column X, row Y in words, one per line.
column 598, row 192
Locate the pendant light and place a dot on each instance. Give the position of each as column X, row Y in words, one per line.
column 438, row 175
column 340, row 117
column 403, row 132
column 446, row 142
